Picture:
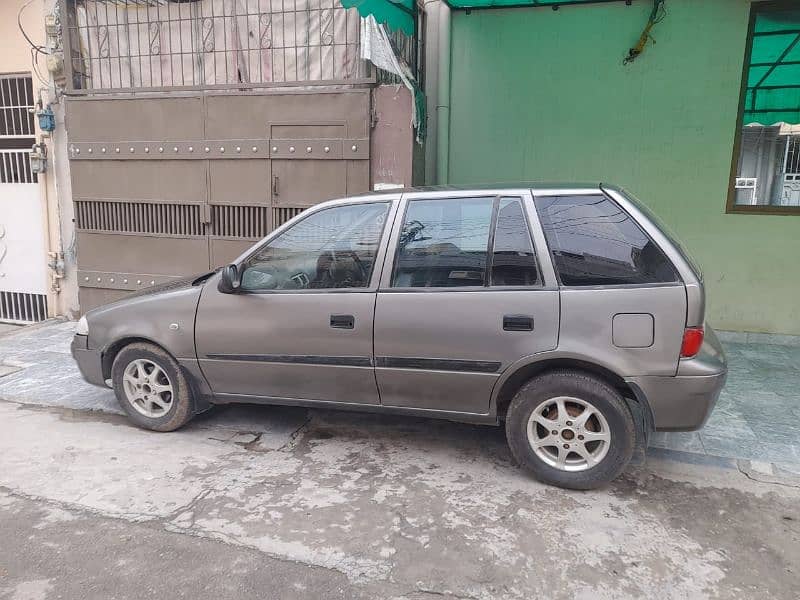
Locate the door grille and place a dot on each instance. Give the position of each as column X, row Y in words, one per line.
column 16, row 100
column 239, row 221
column 15, row 167
column 281, row 215
column 139, row 217
column 20, row 307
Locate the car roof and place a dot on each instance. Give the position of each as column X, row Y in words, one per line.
column 524, row 185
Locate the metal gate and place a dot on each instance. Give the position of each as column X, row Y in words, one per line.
column 164, row 187
column 23, row 257
column 197, row 127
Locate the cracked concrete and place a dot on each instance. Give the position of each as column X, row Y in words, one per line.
column 348, row 505
column 272, row 502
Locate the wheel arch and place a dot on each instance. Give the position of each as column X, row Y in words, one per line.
column 110, row 352
column 518, row 374
column 199, row 394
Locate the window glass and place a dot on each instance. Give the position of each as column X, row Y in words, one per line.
column 594, row 242
column 513, row 260
column 768, row 167
column 443, row 243
column 330, row 249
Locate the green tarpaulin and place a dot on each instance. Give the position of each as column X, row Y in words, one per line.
column 502, row 3
column 773, row 78
column 395, row 14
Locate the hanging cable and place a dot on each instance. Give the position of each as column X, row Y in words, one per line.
column 657, row 15
column 35, row 47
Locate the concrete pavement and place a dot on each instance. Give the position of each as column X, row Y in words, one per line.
column 345, row 505
column 271, row 502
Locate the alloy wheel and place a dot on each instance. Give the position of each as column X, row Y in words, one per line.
column 569, row 434
column 147, row 388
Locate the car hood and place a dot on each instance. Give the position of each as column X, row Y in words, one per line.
column 175, row 284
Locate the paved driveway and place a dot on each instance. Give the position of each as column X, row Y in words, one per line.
column 289, row 503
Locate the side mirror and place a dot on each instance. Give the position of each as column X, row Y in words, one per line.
column 231, row 280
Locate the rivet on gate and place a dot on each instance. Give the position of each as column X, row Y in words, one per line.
column 89, row 150
column 86, row 278
column 103, row 150
column 160, row 149
column 191, row 148
column 222, row 148
column 207, row 149
column 274, row 148
column 238, row 148
column 99, row 279
column 291, row 148
column 133, row 149
column 138, row 282
column 116, row 150
column 308, row 149
column 124, row 281
column 327, row 149
column 174, row 326
column 111, row 280
column 255, row 148
column 77, row 150
column 152, row 283
column 354, row 148
column 146, row 150
column 175, row 149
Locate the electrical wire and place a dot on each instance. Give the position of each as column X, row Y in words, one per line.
column 657, row 15
column 36, row 47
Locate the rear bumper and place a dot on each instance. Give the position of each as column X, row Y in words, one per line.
column 681, row 403
column 90, row 362
column 684, row 402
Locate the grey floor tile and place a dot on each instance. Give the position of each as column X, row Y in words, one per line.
column 684, row 441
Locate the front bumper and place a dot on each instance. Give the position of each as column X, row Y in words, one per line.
column 684, row 402
column 90, row 362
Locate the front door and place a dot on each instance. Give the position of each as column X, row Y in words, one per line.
column 463, row 299
column 301, row 326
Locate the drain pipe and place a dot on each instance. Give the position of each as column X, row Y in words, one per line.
column 443, row 97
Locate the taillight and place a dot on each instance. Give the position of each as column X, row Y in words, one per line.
column 692, row 340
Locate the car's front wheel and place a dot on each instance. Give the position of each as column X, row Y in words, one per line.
column 570, row 429
column 151, row 388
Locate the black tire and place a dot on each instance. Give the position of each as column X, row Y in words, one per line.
column 605, row 400
column 180, row 409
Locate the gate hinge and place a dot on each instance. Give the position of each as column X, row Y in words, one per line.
column 205, row 214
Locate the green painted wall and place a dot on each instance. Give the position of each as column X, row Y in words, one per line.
column 541, row 94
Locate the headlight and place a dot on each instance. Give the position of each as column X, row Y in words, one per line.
column 83, row 326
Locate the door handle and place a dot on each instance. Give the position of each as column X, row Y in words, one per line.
column 343, row 321
column 517, row 323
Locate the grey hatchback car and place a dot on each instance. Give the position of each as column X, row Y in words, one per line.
column 566, row 312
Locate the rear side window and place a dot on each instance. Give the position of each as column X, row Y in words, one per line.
column 594, row 242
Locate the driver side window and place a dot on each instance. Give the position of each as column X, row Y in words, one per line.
column 331, row 249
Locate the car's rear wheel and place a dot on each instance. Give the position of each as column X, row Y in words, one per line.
column 151, row 388
column 570, row 429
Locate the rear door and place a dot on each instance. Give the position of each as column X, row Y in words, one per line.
column 461, row 298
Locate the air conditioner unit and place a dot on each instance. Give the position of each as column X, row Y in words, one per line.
column 746, row 190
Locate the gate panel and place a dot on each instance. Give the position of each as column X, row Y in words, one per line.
column 205, row 178
column 23, row 257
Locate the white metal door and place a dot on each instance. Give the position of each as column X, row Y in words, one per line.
column 23, row 258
